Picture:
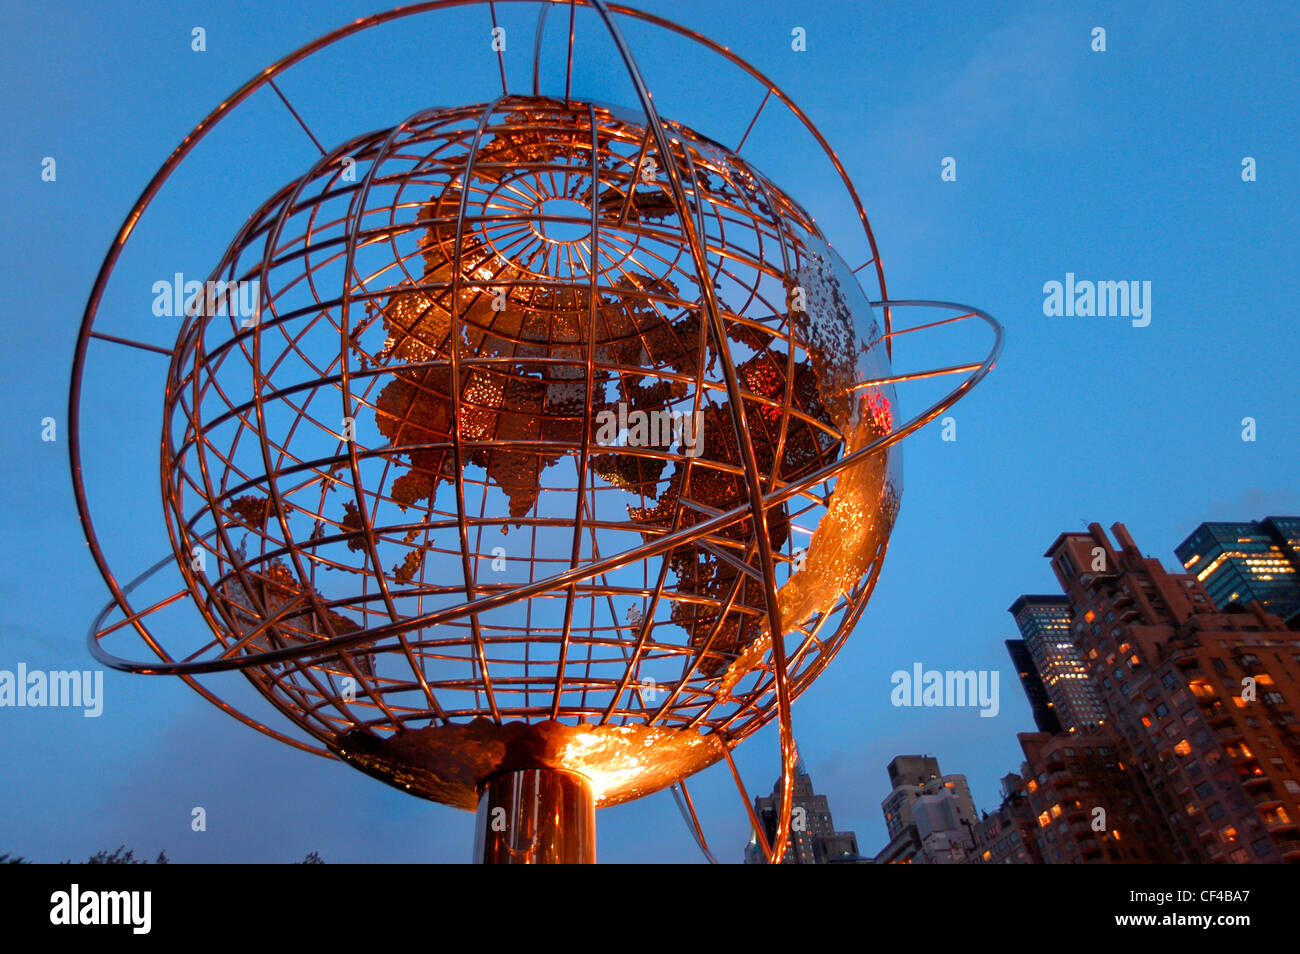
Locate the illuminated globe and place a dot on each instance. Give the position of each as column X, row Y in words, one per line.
column 481, row 487
column 527, row 455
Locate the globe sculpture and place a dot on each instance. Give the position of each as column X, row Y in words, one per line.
column 549, row 415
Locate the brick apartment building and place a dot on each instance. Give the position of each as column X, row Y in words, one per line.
column 1200, row 707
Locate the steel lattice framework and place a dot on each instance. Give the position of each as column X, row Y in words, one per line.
column 545, row 416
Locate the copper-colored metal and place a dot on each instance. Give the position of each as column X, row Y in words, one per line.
column 535, row 817
column 687, row 806
column 417, row 538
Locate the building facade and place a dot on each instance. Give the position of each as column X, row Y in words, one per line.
column 1087, row 803
column 813, row 838
column 1200, row 703
column 930, row 816
column 1245, row 562
column 910, row 777
column 1044, row 624
column 1007, row 837
column 1031, row 682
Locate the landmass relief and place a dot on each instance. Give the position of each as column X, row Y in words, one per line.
column 525, row 340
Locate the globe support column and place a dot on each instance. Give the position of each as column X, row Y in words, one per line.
column 536, row 816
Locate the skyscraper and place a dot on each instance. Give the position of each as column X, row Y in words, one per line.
column 1241, row 562
column 1044, row 622
column 1087, row 804
column 912, row 776
column 813, row 838
column 1039, row 702
column 930, row 816
column 1201, row 701
column 1006, row 837
column 1077, row 802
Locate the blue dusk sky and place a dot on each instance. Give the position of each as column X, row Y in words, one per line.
column 1125, row 164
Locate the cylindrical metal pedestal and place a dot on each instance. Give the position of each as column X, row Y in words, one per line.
column 536, row 816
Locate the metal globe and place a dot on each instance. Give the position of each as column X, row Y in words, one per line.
column 526, row 455
column 481, row 441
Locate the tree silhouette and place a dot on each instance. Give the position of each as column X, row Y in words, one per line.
column 123, row 855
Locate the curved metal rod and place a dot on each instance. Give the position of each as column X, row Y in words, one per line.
column 92, row 643
column 687, row 808
column 85, row 332
column 590, row 570
column 773, row 89
column 758, row 503
column 501, row 58
column 589, row 374
column 358, row 203
column 914, row 424
column 759, row 833
column 753, row 481
column 537, row 47
column 457, row 451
